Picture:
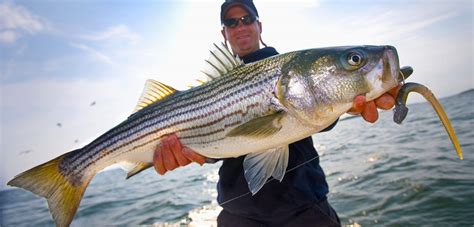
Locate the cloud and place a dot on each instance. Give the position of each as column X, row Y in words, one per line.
column 15, row 20
column 396, row 24
column 94, row 53
column 117, row 33
column 378, row 24
column 420, row 24
column 8, row 36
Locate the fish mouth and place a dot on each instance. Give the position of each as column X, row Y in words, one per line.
column 384, row 76
column 391, row 65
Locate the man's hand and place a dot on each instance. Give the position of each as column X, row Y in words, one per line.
column 170, row 154
column 368, row 110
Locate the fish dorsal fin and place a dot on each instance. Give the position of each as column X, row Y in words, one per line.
column 220, row 62
column 154, row 91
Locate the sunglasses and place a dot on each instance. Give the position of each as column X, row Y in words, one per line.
column 233, row 22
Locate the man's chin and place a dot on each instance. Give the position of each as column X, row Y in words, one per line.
column 245, row 47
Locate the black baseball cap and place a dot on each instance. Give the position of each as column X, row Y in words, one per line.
column 246, row 4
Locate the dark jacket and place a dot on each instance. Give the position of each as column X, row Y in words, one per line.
column 299, row 189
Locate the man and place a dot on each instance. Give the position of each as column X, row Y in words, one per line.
column 300, row 199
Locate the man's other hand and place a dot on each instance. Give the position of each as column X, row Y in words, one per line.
column 171, row 154
column 368, row 110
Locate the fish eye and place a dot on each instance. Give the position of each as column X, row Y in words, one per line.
column 354, row 59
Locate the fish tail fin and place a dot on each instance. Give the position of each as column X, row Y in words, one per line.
column 48, row 181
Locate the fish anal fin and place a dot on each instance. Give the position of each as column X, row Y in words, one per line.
column 63, row 196
column 135, row 168
column 259, row 127
column 153, row 91
column 260, row 166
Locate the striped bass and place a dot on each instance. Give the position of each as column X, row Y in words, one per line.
column 244, row 109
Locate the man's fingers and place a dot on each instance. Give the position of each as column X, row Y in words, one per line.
column 358, row 105
column 191, row 155
column 385, row 102
column 158, row 161
column 176, row 147
column 370, row 112
column 168, row 158
column 170, row 154
column 394, row 91
column 181, row 159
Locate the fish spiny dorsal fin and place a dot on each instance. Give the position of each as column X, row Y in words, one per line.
column 154, row 91
column 220, row 62
column 224, row 50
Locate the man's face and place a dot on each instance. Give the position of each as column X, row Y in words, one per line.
column 243, row 39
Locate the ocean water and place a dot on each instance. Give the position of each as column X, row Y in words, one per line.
column 380, row 174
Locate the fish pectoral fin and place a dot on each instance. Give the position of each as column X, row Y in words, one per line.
column 280, row 168
column 258, row 167
column 259, row 127
column 133, row 168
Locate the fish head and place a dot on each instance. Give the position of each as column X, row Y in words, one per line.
column 321, row 83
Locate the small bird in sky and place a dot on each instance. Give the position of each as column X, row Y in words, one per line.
column 25, row 152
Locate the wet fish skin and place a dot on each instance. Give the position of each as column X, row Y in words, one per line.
column 254, row 110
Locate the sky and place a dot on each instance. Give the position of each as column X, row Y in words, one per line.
column 71, row 70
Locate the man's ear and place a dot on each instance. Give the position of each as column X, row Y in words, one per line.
column 223, row 34
column 260, row 26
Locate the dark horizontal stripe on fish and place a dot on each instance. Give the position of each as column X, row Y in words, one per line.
column 223, row 84
column 183, row 138
column 78, row 169
column 145, row 124
column 123, row 130
column 241, row 74
column 204, row 94
column 267, row 68
column 212, row 132
column 243, row 114
column 187, row 98
column 209, row 89
column 187, row 101
column 204, row 134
